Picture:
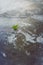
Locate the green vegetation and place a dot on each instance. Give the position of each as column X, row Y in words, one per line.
column 15, row 27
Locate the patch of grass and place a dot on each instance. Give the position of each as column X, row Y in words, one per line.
column 15, row 27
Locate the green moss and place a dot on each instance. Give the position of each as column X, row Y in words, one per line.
column 15, row 27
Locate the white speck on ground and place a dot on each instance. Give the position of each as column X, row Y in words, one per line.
column 27, row 53
column 11, row 38
column 4, row 55
column 40, row 39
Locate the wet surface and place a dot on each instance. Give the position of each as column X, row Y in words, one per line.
column 16, row 50
column 25, row 45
